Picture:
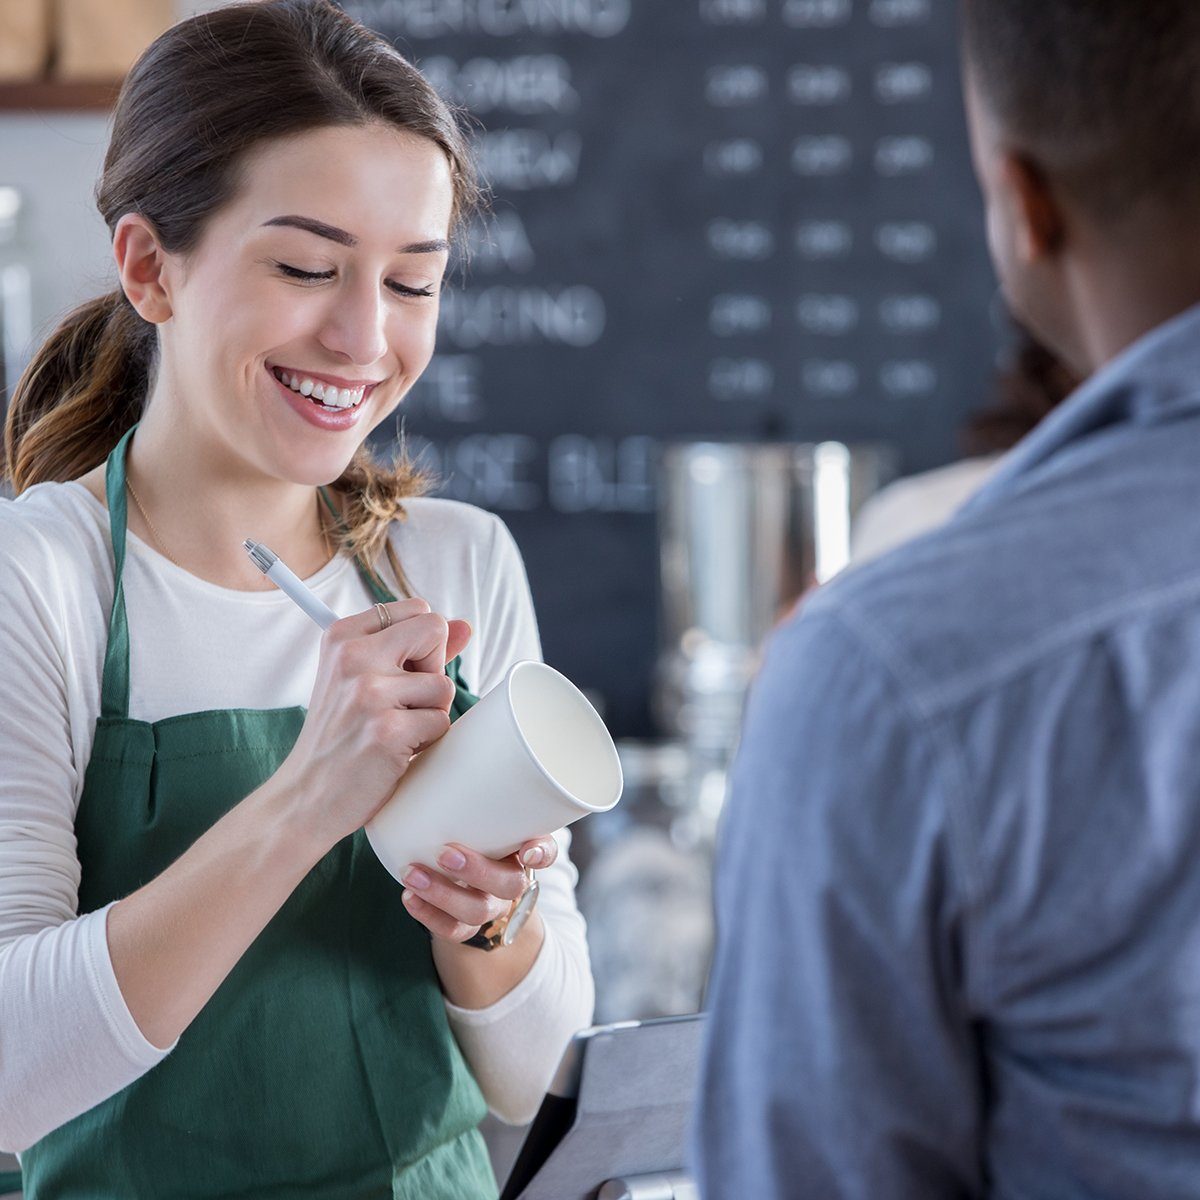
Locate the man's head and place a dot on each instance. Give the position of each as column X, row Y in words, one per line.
column 1085, row 124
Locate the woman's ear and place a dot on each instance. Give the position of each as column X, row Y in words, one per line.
column 1037, row 222
column 141, row 264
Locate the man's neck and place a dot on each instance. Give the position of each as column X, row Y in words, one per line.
column 1126, row 281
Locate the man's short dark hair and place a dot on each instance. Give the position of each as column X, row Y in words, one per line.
column 1104, row 95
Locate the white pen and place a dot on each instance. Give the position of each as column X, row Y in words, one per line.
column 278, row 572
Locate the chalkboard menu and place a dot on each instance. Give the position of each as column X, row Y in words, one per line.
column 734, row 219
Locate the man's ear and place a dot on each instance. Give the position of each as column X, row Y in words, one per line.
column 141, row 262
column 1036, row 219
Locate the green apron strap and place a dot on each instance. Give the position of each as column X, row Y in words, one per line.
column 464, row 698
column 114, row 688
column 114, row 692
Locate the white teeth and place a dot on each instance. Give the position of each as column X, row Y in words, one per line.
column 327, row 394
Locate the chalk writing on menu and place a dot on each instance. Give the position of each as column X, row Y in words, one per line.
column 743, row 219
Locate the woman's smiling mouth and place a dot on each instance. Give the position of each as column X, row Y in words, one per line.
column 324, row 404
column 328, row 391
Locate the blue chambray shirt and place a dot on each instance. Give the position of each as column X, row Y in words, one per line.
column 958, row 887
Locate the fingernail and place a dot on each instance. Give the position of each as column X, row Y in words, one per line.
column 414, row 877
column 533, row 856
column 452, row 860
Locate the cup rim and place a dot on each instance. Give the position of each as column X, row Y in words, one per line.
column 526, row 664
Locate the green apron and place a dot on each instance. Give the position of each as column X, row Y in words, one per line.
column 323, row 1067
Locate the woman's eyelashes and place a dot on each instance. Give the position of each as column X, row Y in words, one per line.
column 318, row 276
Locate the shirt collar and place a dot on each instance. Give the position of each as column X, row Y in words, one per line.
column 1152, row 382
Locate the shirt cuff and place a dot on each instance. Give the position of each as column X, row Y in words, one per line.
column 511, row 1000
column 132, row 1042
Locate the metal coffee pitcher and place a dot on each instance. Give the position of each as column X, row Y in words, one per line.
column 744, row 531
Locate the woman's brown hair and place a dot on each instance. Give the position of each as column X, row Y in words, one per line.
column 195, row 103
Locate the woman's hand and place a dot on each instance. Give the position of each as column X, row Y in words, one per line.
column 468, row 890
column 380, row 697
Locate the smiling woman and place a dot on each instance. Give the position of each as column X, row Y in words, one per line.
column 260, row 294
column 208, row 984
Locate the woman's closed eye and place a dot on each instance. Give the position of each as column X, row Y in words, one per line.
column 319, row 276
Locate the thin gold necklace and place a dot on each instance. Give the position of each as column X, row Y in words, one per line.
column 163, row 546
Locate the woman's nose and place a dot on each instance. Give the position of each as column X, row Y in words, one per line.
column 356, row 325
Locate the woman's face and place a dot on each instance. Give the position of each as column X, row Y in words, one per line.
column 326, row 267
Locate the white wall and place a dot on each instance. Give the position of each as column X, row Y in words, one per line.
column 54, row 158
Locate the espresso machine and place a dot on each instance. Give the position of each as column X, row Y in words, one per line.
column 744, row 531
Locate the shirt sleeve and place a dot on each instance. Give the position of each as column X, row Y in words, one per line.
column 67, row 1039
column 508, row 631
column 839, row 1061
column 514, row 1046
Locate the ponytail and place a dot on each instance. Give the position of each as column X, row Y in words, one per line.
column 85, row 387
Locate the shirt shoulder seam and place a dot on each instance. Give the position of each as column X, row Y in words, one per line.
column 938, row 699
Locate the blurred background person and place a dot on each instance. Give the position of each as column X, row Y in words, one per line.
column 1033, row 383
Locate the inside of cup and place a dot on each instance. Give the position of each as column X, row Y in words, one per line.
column 566, row 735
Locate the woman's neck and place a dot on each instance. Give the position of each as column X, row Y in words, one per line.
column 200, row 509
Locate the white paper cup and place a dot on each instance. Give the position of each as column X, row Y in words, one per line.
column 532, row 756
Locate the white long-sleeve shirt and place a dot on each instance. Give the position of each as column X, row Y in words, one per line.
column 67, row 1038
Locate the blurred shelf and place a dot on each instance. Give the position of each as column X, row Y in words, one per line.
column 39, row 95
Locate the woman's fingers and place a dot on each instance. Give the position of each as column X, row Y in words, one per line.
column 439, row 923
column 459, row 636
column 417, row 640
column 400, row 733
column 367, row 621
column 463, row 906
column 415, row 643
column 539, row 853
column 410, row 689
column 501, row 877
column 468, row 889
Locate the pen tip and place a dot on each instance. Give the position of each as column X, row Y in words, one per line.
column 260, row 556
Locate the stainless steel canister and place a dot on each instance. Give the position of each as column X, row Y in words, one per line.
column 16, row 304
column 744, row 531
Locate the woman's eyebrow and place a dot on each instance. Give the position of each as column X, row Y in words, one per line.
column 343, row 238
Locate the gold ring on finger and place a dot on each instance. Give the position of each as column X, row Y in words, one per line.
column 385, row 617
